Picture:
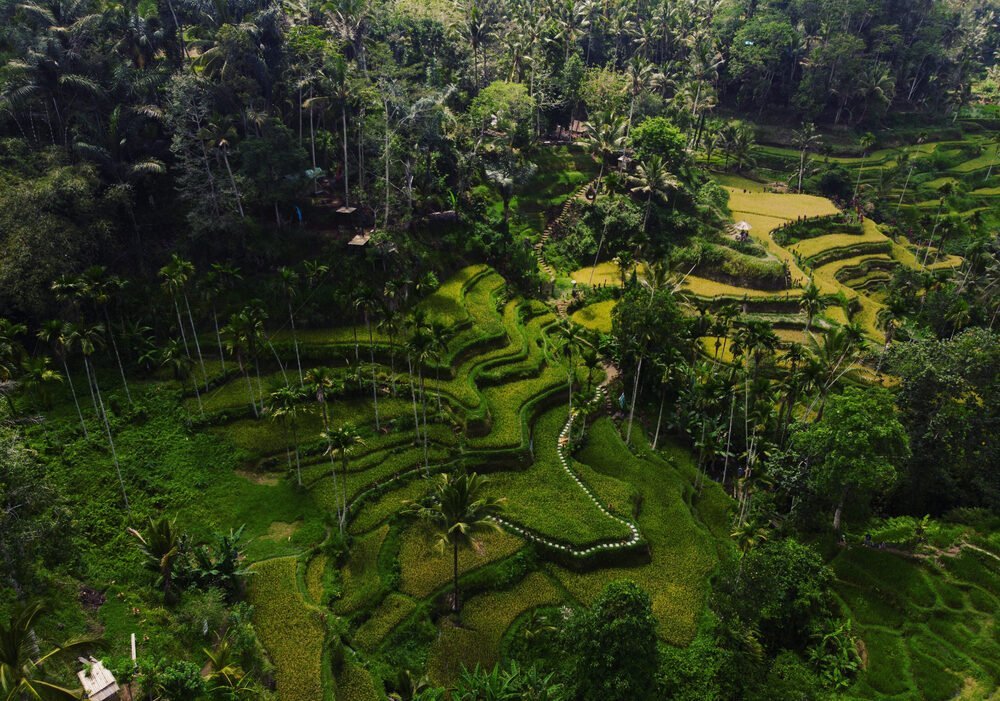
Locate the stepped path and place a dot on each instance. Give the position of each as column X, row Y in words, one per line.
column 553, row 226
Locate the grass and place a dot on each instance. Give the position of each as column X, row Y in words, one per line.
column 544, row 498
column 681, row 545
column 292, row 631
column 783, row 206
column 354, row 683
column 709, row 289
column 596, row 317
column 927, row 630
column 359, row 577
column 475, row 640
column 389, row 614
column 424, row 569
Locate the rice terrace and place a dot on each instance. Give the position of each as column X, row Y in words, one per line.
column 489, row 350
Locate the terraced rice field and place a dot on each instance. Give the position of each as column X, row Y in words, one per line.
column 928, row 626
column 503, row 393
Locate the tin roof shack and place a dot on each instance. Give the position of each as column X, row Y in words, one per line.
column 97, row 681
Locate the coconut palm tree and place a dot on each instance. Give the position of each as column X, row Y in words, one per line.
column 38, row 376
column 653, row 180
column 866, row 141
column 56, row 333
column 422, row 350
column 805, row 140
column 215, row 285
column 322, row 383
column 11, row 353
column 458, row 511
column 811, row 302
column 180, row 364
column 283, row 405
column 290, row 288
column 175, row 276
column 89, row 339
column 341, row 442
column 238, row 344
column 604, row 136
column 367, row 302
column 100, row 288
column 22, row 668
column 569, row 345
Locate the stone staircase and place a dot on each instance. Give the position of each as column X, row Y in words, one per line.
column 562, row 304
column 567, row 210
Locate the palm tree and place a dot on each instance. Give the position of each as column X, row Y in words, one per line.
column 227, row 677
column 368, row 304
column 805, row 140
column 162, row 545
column 11, row 353
column 441, row 334
column 811, row 302
column 101, row 288
column 180, row 364
column 238, row 344
column 421, row 348
column 458, row 512
column 22, row 668
column 219, row 280
column 284, row 406
column 604, row 136
column 290, row 287
column 38, row 376
column 89, row 339
column 653, row 180
column 566, row 331
column 322, row 383
column 341, row 441
column 748, row 535
column 641, row 75
column 176, row 274
column 57, row 333
column 866, row 141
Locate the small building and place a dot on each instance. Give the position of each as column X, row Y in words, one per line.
column 97, row 681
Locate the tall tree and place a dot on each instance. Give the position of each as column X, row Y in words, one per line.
column 341, row 441
column 458, row 512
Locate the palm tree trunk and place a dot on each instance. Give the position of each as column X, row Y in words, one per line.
column 295, row 342
column 253, row 401
column 107, row 428
column 413, row 395
column 298, row 461
column 197, row 343
column 347, row 190
column 180, row 325
column 454, row 595
column 839, row 510
column 343, row 464
column 371, row 351
column 635, row 392
column 218, row 338
column 232, row 183
column 659, row 417
column 114, row 346
column 72, row 391
column 729, row 439
column 423, row 399
column 336, row 491
column 857, row 185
